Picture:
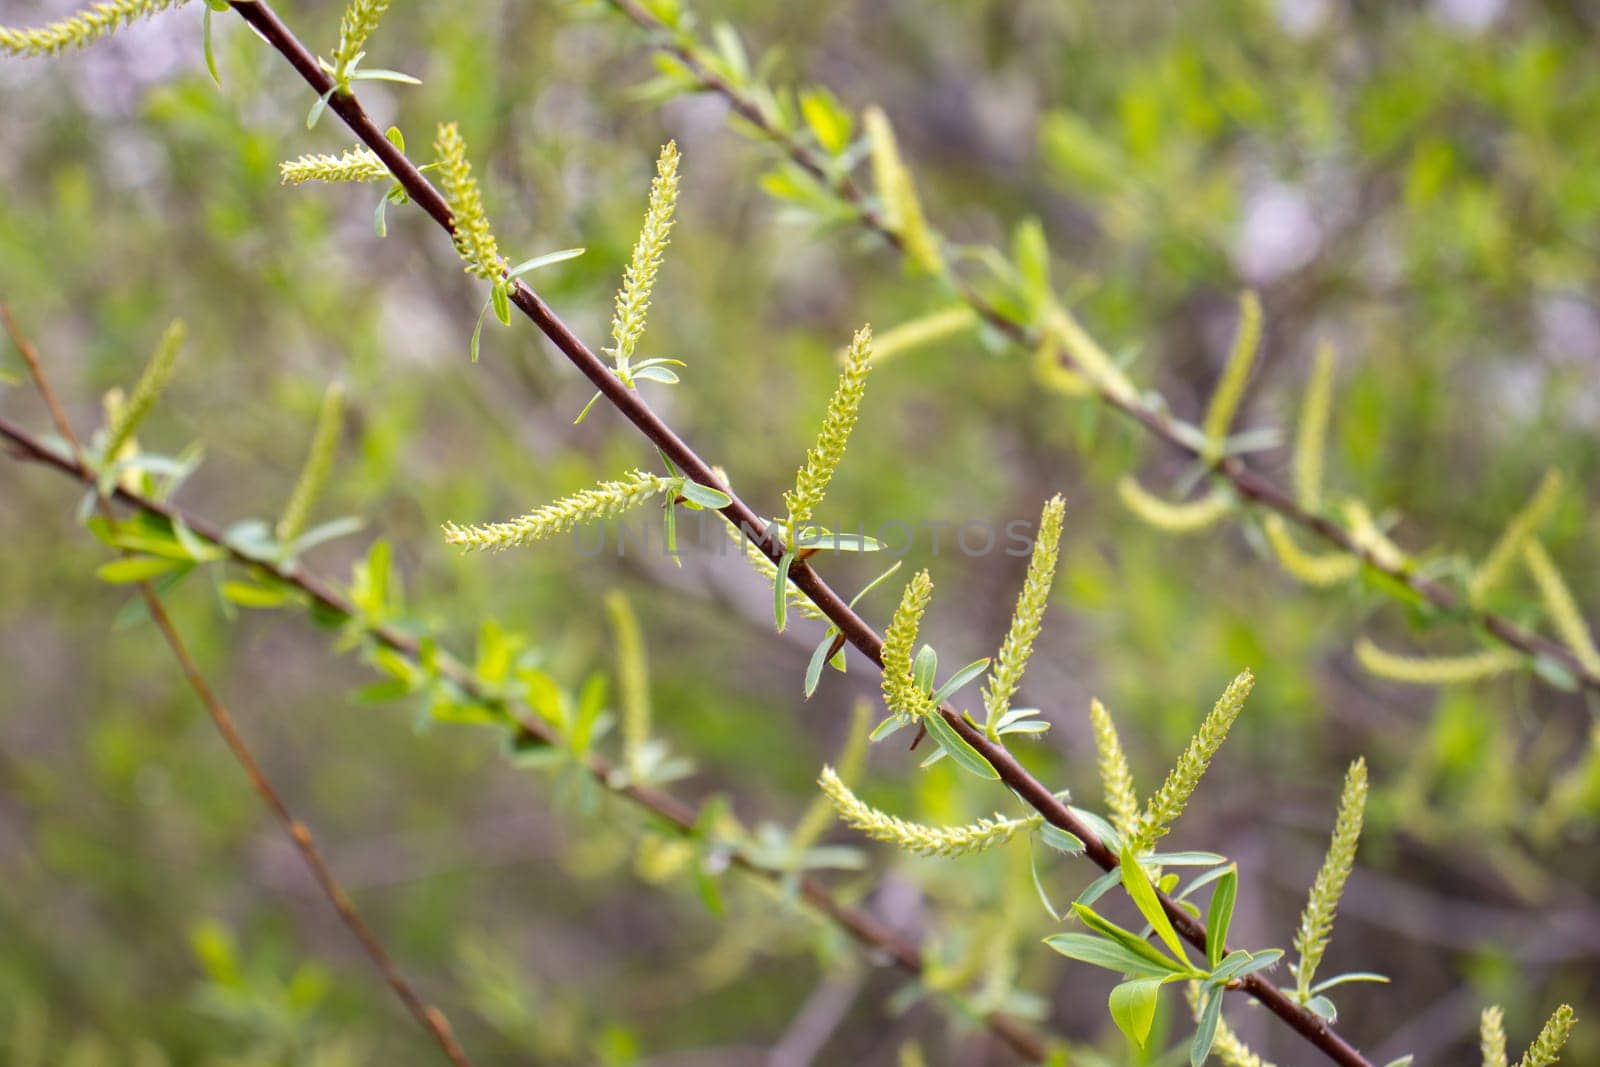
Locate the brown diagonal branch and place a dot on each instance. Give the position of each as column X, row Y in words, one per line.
column 431, row 1018
column 1246, row 481
column 854, row 628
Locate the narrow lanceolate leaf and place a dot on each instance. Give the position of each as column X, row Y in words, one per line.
column 474, row 240
column 633, row 299
column 351, row 165
column 1560, row 605
column 1028, row 617
column 1219, row 916
column 157, row 373
column 898, row 194
column 1185, row 518
column 914, row 837
column 1311, row 435
column 1143, row 894
column 1546, row 1048
column 319, row 462
column 1435, row 670
column 900, row 690
column 79, row 30
column 1115, row 777
column 957, row 747
column 1318, row 570
column 360, row 19
column 604, row 501
column 1230, row 390
column 811, row 484
column 1492, row 1037
column 1169, row 801
column 1524, row 525
column 1225, row 1044
column 1316, row 922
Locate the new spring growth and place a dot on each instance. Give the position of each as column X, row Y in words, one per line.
column 1523, row 525
column 1169, row 801
column 1185, row 518
column 1121, row 797
column 351, row 165
column 1318, row 570
column 1026, row 620
column 360, row 19
column 811, row 484
column 1230, row 390
column 157, row 373
column 1226, row 1046
column 1311, row 435
column 1435, row 670
column 473, row 238
column 319, row 462
column 916, row 838
column 604, row 501
column 902, row 211
column 1492, row 1037
column 1546, row 1048
column 633, row 299
column 900, row 689
column 1560, row 606
column 632, row 681
column 79, row 30
column 1322, row 904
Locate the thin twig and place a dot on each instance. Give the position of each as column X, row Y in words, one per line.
column 873, row 936
column 1246, row 481
column 856, row 629
column 431, row 1018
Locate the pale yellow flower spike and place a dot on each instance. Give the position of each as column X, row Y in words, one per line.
column 1186, row 518
column 1311, row 436
column 1322, row 903
column 916, row 838
column 1230, row 389
column 157, row 373
column 823, row 459
column 1523, row 525
column 1546, row 1048
column 351, row 165
column 79, row 30
column 1169, row 801
column 473, row 238
column 633, row 299
column 1318, row 571
column 1440, row 670
column 1492, row 1037
column 927, row 330
column 588, row 505
column 1560, row 605
column 319, row 463
column 1370, row 539
column 359, row 20
column 898, row 194
column 1121, row 797
column 1028, row 617
column 900, row 690
column 633, row 678
column 1090, row 358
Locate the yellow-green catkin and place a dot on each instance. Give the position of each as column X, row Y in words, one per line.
column 1236, row 372
column 1227, row 1047
column 1370, row 538
column 633, row 677
column 1496, row 565
column 1319, row 570
column 1028, row 617
column 927, row 330
column 1115, row 776
column 916, row 838
column 1311, row 436
column 157, row 373
column 351, row 165
column 1088, row 357
column 81, row 29
column 1560, row 605
column 1322, row 903
column 897, row 192
column 811, row 483
column 1546, row 1048
column 1169, row 801
column 1492, row 1037
column 900, row 691
column 319, row 462
column 604, row 501
column 1435, row 670
column 360, row 19
column 473, row 238
column 633, row 299
column 1186, row 518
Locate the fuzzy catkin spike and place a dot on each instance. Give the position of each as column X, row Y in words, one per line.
column 79, row 30
column 633, row 677
column 798, row 601
column 1560, row 605
column 1028, row 617
column 1186, row 518
column 360, row 19
column 319, row 462
column 1311, row 436
column 1087, row 354
column 1439, row 670
column 604, row 501
column 157, row 373
column 1492, row 1037
column 898, row 193
column 1322, row 905
column 633, row 299
column 1523, row 525
column 1121, row 797
column 811, row 484
column 1370, row 538
column 1230, row 390
column 1169, row 801
column 926, row 330
column 1317, row 570
column 352, row 165
column 1546, row 1048
column 900, row 691
column 473, row 238
column 915, row 838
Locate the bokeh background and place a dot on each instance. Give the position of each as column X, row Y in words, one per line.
column 1416, row 183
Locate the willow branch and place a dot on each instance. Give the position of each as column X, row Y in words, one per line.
column 431, row 1018
column 853, row 627
column 1246, row 481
